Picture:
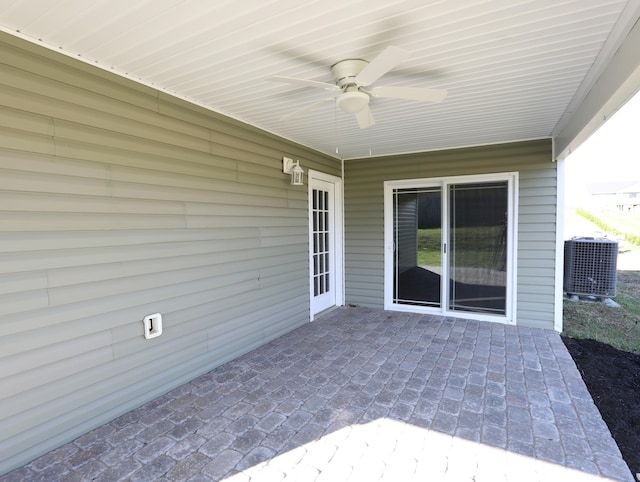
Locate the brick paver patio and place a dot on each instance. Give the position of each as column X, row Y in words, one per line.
column 363, row 395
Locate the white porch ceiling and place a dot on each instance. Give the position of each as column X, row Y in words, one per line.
column 514, row 69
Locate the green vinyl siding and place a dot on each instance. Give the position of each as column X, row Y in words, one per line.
column 536, row 250
column 117, row 201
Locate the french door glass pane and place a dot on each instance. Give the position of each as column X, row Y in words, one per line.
column 478, row 247
column 321, row 261
column 418, row 240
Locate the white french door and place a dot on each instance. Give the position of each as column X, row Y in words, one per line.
column 325, row 242
column 450, row 246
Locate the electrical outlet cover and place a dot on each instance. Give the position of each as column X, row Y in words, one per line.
column 152, row 326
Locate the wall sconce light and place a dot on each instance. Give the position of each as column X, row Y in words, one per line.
column 297, row 173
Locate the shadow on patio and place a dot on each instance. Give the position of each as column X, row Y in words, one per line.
column 363, row 395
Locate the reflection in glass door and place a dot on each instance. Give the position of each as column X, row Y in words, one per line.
column 478, row 222
column 451, row 242
column 418, row 242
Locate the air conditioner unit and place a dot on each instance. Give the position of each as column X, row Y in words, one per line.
column 590, row 267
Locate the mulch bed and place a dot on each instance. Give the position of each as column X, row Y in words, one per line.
column 613, row 379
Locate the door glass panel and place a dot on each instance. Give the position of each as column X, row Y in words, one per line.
column 321, row 245
column 417, row 241
column 478, row 217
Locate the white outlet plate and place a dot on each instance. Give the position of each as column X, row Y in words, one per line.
column 152, row 326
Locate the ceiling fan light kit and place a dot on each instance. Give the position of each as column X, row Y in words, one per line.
column 351, row 75
column 353, row 102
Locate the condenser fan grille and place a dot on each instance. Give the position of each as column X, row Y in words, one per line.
column 590, row 267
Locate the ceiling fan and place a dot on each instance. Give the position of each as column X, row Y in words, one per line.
column 352, row 78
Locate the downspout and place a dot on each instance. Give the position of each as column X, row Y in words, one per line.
column 559, row 268
column 344, row 250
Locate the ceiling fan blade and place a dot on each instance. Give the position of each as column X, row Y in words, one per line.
column 383, row 63
column 305, row 109
column 305, row 82
column 365, row 118
column 410, row 93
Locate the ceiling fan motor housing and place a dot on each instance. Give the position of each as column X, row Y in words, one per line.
column 345, row 71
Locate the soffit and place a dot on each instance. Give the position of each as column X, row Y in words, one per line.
column 513, row 69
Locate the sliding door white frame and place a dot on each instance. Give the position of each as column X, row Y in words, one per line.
column 512, row 233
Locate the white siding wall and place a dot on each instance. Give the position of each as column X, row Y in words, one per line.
column 364, row 218
column 117, row 201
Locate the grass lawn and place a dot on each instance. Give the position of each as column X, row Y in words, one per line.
column 618, row 327
column 429, row 250
column 625, row 222
column 475, row 246
column 616, row 222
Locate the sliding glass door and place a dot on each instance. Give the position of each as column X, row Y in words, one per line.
column 450, row 246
